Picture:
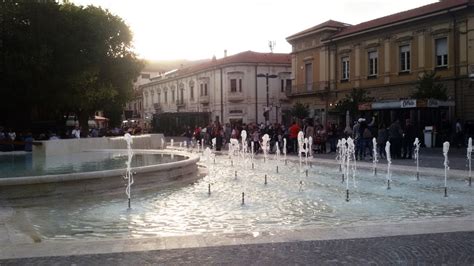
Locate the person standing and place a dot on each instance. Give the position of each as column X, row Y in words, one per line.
column 395, row 138
column 293, row 135
column 76, row 132
column 408, row 139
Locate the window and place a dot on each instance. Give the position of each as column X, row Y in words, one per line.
column 172, row 96
column 373, row 56
column 233, row 85
column 191, row 91
column 405, row 58
column 166, row 97
column 203, row 87
column 345, row 68
column 441, row 52
column 285, row 85
column 288, row 84
column 309, row 76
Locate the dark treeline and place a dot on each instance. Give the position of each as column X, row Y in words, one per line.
column 61, row 59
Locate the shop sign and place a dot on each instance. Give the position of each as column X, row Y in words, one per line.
column 409, row 103
column 433, row 103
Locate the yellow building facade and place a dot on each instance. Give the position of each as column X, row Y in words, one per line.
column 385, row 57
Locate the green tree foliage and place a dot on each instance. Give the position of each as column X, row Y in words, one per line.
column 299, row 111
column 59, row 59
column 429, row 86
column 352, row 100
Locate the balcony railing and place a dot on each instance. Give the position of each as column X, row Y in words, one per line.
column 235, row 96
column 180, row 103
column 307, row 88
column 204, row 99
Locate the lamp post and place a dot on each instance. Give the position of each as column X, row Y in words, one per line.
column 267, row 76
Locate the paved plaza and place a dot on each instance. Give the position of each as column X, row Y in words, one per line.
column 444, row 248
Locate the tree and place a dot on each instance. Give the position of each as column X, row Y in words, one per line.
column 299, row 111
column 429, row 87
column 63, row 59
column 352, row 100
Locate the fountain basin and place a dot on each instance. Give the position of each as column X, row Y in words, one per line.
column 151, row 175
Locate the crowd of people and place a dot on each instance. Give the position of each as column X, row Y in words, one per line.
column 400, row 134
column 11, row 140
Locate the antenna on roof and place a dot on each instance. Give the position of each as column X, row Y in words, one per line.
column 271, row 45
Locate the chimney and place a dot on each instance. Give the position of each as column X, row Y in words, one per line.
column 225, row 53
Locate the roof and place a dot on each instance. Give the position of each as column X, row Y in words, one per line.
column 398, row 17
column 326, row 24
column 243, row 57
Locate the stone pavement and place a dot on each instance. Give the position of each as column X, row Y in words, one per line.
column 444, row 248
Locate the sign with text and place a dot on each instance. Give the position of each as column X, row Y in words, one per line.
column 409, row 103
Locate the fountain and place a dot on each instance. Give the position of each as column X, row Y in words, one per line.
column 128, row 174
column 389, row 163
column 167, row 211
column 469, row 155
column 213, row 143
column 172, row 143
column 310, row 143
column 417, row 157
column 162, row 143
column 374, row 151
column 265, row 146
column 446, row 166
column 300, row 145
column 243, row 134
column 284, row 150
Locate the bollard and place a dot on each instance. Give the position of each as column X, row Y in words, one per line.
column 340, row 168
column 277, row 169
column 445, row 191
column 375, row 171
column 301, row 185
column 209, row 189
column 306, row 172
column 347, row 195
column 417, row 176
column 129, row 204
column 265, row 179
column 243, row 198
column 388, row 184
column 470, row 181
column 342, row 178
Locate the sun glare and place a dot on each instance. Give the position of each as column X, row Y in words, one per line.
column 167, row 30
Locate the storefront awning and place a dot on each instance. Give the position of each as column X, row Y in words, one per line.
column 405, row 104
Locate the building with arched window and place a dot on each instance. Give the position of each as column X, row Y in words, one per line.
column 228, row 89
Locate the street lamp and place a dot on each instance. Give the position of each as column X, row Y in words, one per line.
column 266, row 76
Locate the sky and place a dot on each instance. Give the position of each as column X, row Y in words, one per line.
column 201, row 29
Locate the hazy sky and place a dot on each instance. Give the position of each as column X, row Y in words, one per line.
column 197, row 29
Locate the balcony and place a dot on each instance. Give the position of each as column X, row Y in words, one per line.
column 180, row 103
column 235, row 96
column 307, row 89
column 204, row 99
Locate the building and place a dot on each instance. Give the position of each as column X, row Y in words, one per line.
column 229, row 89
column 385, row 57
column 134, row 108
